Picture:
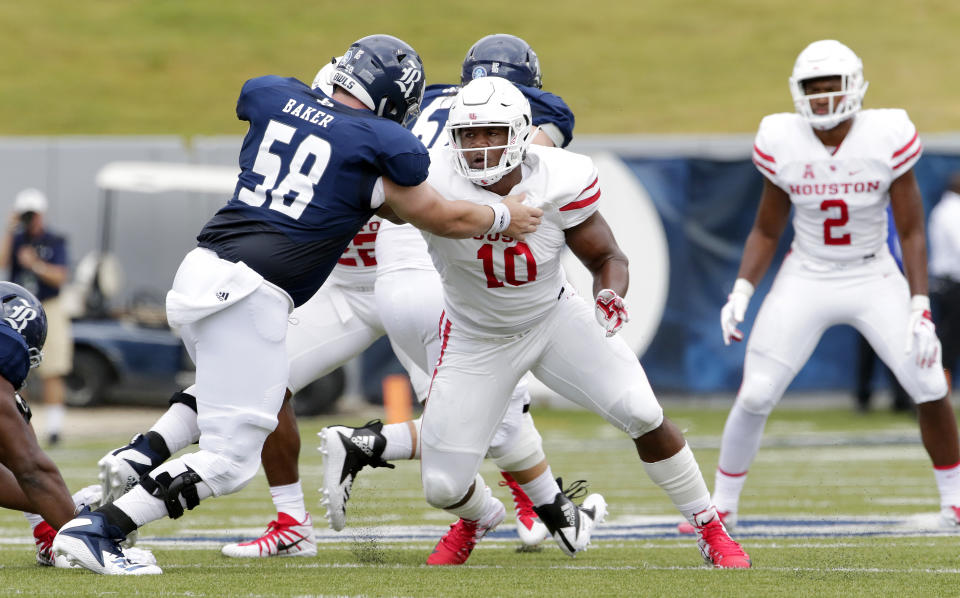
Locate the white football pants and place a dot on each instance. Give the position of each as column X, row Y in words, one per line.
column 568, row 351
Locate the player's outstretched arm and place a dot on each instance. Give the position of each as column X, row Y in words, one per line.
column 425, row 208
column 31, row 481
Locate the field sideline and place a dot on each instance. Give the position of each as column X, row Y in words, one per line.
column 837, row 504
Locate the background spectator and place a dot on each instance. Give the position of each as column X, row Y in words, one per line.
column 37, row 259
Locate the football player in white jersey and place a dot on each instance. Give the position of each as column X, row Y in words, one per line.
column 509, row 310
column 838, row 166
column 409, row 298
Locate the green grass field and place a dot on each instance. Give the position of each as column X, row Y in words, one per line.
column 657, row 66
column 862, row 482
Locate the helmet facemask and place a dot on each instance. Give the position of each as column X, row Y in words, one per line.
column 828, row 58
column 484, row 103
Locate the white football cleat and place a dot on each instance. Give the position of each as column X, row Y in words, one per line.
column 345, row 452
column 284, row 537
column 571, row 525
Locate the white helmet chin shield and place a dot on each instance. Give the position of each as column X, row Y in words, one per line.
column 490, row 102
column 828, row 58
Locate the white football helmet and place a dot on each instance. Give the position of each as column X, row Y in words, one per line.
column 484, row 102
column 826, row 58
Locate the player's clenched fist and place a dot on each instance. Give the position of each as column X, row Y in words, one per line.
column 524, row 219
column 611, row 311
column 733, row 312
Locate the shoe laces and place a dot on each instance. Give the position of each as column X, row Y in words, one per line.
column 520, row 499
column 576, row 490
column 719, row 541
column 375, row 426
column 462, row 536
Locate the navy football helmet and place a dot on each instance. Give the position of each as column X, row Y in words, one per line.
column 386, row 74
column 502, row 55
column 20, row 310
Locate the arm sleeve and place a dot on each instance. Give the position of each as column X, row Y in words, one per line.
column 907, row 145
column 763, row 153
column 586, row 202
column 403, row 158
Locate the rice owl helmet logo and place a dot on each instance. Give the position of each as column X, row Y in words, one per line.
column 19, row 315
column 412, row 75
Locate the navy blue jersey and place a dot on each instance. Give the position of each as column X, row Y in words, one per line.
column 51, row 248
column 308, row 167
column 14, row 356
column 545, row 107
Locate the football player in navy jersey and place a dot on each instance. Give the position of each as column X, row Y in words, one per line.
column 314, row 169
column 317, row 342
column 29, row 480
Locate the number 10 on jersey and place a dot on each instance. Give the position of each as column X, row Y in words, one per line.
column 511, row 255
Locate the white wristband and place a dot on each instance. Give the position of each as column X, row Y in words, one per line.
column 920, row 303
column 501, row 218
column 743, row 286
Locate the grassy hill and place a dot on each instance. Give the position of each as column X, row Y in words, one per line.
column 655, row 66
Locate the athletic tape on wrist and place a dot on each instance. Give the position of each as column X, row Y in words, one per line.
column 501, row 218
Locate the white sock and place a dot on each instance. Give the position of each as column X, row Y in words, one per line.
column 140, row 506
column 289, row 499
column 178, row 427
column 543, row 489
column 948, row 481
column 54, row 415
column 33, row 519
column 399, row 441
column 741, row 440
column 680, row 478
column 727, row 489
column 479, row 503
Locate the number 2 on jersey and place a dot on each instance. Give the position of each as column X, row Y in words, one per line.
column 510, row 254
column 296, row 186
column 828, row 236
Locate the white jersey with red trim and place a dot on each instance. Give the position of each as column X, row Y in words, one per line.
column 357, row 266
column 839, row 196
column 495, row 285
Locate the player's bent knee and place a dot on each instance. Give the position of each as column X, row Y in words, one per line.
column 641, row 411
column 442, row 491
column 224, row 473
column 757, row 395
column 523, row 450
column 520, row 460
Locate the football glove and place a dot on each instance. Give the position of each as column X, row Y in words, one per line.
column 611, row 312
column 921, row 333
column 733, row 312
